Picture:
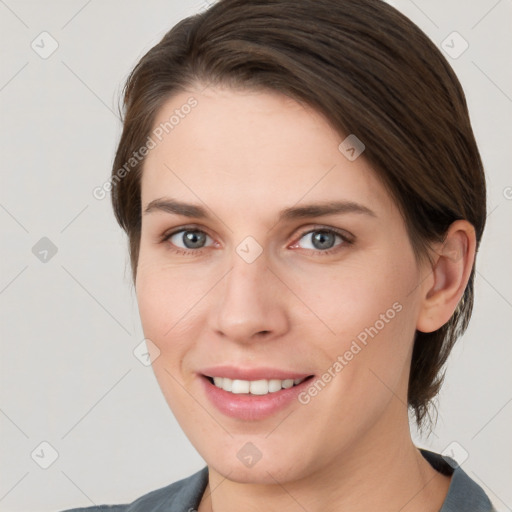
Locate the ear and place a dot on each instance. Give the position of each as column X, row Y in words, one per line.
column 453, row 261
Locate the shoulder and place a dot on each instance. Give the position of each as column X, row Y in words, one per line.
column 464, row 493
column 178, row 496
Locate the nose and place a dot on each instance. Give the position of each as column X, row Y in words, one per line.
column 250, row 303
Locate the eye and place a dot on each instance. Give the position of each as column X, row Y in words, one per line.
column 189, row 239
column 323, row 240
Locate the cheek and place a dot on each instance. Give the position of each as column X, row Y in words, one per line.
column 173, row 302
column 371, row 314
column 168, row 294
column 351, row 298
column 166, row 299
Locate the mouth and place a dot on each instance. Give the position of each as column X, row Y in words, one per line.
column 255, row 399
column 258, row 387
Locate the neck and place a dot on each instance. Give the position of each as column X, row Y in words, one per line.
column 385, row 473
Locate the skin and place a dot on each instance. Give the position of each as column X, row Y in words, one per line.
column 245, row 156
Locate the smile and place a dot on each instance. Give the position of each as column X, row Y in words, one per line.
column 254, row 397
column 254, row 387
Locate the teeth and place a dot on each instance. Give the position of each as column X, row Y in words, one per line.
column 274, row 385
column 288, row 383
column 240, row 386
column 258, row 387
column 226, row 384
column 254, row 387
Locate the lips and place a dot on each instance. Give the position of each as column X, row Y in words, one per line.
column 252, row 394
column 251, row 374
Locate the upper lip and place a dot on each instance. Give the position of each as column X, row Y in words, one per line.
column 260, row 373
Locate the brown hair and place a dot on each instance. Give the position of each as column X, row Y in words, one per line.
column 372, row 73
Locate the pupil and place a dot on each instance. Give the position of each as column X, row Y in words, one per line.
column 193, row 239
column 323, row 240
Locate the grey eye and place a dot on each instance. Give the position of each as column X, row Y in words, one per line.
column 320, row 239
column 189, row 239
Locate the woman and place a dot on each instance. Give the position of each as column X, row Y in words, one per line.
column 304, row 199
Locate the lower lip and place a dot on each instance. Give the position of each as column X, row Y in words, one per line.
column 252, row 407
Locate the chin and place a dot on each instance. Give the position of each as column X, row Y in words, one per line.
column 262, row 473
column 242, row 462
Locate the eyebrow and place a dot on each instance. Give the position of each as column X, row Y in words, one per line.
column 173, row 206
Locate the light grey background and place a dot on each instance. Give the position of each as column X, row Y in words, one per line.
column 70, row 324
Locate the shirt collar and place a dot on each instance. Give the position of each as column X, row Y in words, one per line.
column 463, row 493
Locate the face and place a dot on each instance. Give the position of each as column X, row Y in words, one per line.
column 268, row 259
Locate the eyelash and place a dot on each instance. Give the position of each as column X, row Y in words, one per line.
column 346, row 240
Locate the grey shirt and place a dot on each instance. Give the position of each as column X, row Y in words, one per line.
column 464, row 494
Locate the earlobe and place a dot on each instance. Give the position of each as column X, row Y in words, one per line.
column 451, row 268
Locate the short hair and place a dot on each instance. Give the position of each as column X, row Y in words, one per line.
column 372, row 73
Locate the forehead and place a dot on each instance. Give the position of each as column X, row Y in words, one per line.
column 237, row 146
